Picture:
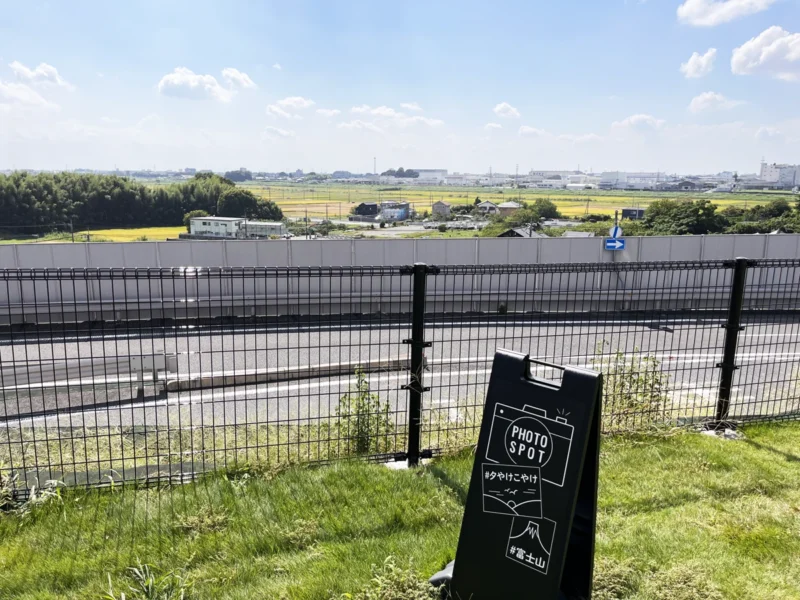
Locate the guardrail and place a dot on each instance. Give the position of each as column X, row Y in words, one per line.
column 222, row 366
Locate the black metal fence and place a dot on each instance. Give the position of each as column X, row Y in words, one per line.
column 119, row 375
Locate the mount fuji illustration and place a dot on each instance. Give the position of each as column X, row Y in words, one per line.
column 532, row 532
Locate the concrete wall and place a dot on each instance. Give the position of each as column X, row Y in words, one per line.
column 304, row 253
column 45, row 299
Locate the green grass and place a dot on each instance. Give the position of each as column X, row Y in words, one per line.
column 680, row 517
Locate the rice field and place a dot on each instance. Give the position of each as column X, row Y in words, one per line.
column 297, row 200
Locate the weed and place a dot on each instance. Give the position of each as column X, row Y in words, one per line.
column 146, row 585
column 682, row 582
column 635, row 390
column 300, row 535
column 206, row 520
column 391, row 582
column 8, row 487
column 613, row 579
column 363, row 419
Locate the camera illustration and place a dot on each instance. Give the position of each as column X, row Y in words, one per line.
column 528, row 437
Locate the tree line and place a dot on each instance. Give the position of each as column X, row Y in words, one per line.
column 50, row 201
column 661, row 217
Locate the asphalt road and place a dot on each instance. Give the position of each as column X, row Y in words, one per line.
column 458, row 366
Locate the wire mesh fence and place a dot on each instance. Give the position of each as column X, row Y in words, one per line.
column 119, row 375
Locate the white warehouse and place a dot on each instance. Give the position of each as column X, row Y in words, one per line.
column 234, row 228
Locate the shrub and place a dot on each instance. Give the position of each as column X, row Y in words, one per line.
column 191, row 215
column 391, row 582
column 363, row 419
column 635, row 391
column 146, row 585
column 442, row 228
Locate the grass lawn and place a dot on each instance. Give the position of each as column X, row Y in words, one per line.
column 681, row 517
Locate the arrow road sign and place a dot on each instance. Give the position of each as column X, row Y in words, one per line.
column 615, row 244
column 615, row 231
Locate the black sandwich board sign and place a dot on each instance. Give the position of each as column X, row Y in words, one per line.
column 529, row 523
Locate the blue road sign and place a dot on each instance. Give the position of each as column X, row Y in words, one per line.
column 615, row 231
column 615, row 244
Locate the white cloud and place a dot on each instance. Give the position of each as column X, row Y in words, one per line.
column 385, row 111
column 277, row 66
column 358, row 124
column 639, row 121
column 364, row 108
column 774, row 52
column 276, row 133
column 527, row 131
column 295, row 102
column 43, row 73
column 490, row 126
column 699, row 65
column 769, row 134
column 19, row 95
column 236, row 77
column 711, row 101
column 709, row 13
column 184, row 83
column 276, row 111
column 413, row 106
column 505, row 110
column 580, row 138
column 109, row 120
column 328, row 112
column 405, row 121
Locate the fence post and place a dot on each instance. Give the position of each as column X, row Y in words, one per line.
column 732, row 328
column 415, row 386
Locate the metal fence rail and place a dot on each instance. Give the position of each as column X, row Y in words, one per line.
column 119, row 375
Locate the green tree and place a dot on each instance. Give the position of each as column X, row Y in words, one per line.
column 683, row 217
column 191, row 215
column 237, row 202
column 267, row 210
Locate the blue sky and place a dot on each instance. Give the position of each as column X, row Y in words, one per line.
column 462, row 85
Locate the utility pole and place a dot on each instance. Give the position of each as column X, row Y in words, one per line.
column 306, row 222
column 72, row 231
column 374, row 165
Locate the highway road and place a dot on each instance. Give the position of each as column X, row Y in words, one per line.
column 458, row 366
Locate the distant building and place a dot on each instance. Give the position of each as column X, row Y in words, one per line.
column 488, row 208
column 684, row 185
column 633, row 213
column 441, row 209
column 190, row 171
column 395, row 211
column 620, row 180
column 234, row 228
column 261, row 229
column 429, row 176
column 367, row 209
column 521, row 232
column 215, row 227
column 781, row 174
column 508, row 208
